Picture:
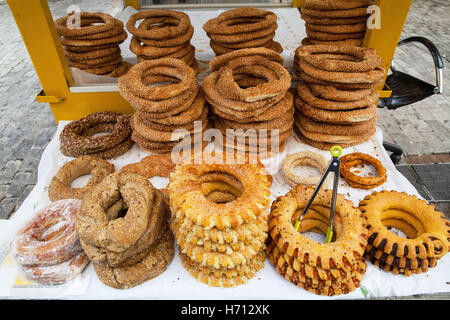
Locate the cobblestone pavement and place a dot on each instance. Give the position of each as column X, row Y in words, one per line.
column 26, row 126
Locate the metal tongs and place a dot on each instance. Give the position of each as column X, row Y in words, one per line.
column 334, row 166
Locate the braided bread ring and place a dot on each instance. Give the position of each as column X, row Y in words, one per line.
column 432, row 243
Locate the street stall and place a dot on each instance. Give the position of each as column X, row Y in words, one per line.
column 388, row 241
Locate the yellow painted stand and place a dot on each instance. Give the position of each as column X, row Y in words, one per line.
column 36, row 26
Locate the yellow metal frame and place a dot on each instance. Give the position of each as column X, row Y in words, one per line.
column 36, row 26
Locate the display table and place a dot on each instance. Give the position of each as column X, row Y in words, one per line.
column 176, row 282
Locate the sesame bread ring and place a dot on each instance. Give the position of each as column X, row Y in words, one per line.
column 433, row 242
column 265, row 41
column 333, row 21
column 228, row 22
column 167, row 67
column 316, row 55
column 142, row 49
column 349, row 28
column 218, row 62
column 186, row 194
column 107, row 238
column 269, row 31
column 344, row 13
column 352, row 159
column 326, row 145
column 231, row 90
column 95, row 54
column 96, row 64
column 49, row 237
column 223, row 277
column 335, row 5
column 183, row 23
column 117, row 39
column 108, row 23
column 346, row 250
column 370, row 77
column 115, row 31
column 111, row 153
column 346, row 42
column 308, row 97
column 307, row 158
column 332, row 93
column 150, row 166
column 59, row 187
column 180, row 39
column 73, row 142
column 157, row 257
column 333, row 116
column 358, row 128
column 327, row 36
column 339, row 85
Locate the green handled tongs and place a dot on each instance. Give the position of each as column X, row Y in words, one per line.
column 334, row 166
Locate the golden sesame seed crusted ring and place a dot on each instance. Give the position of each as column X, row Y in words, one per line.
column 367, row 58
column 151, row 51
column 327, row 36
column 341, row 117
column 216, row 99
column 344, row 13
column 265, row 41
column 87, row 49
column 344, row 28
column 335, row 5
column 345, row 251
column 96, row 63
column 281, row 107
column 225, row 23
column 108, row 24
column 157, row 258
column 308, row 97
column 120, row 70
column 353, row 159
column 231, row 90
column 226, row 278
column 72, row 141
column 339, row 85
column 326, row 145
column 169, row 128
column 115, row 31
column 333, row 138
column 118, row 39
column 346, row 42
column 108, row 239
column 332, row 93
column 186, row 194
column 307, row 158
column 179, row 40
column 369, row 77
column 183, row 23
column 167, row 67
column 269, row 31
column 333, row 21
column 432, row 242
column 111, row 153
column 100, row 70
column 59, row 187
column 95, row 54
column 218, row 62
column 339, row 129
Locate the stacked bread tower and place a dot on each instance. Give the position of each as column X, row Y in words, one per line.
column 123, row 228
column 170, row 111
column 322, row 268
column 242, row 28
column 220, row 220
column 335, row 22
column 93, row 45
column 162, row 34
column 248, row 93
column 336, row 103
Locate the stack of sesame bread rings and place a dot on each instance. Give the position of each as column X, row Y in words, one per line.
column 335, row 22
column 248, row 93
column 242, row 28
column 123, row 228
column 162, row 34
column 170, row 106
column 337, row 100
column 93, row 45
column 322, row 268
column 220, row 220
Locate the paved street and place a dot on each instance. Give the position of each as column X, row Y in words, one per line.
column 26, row 126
